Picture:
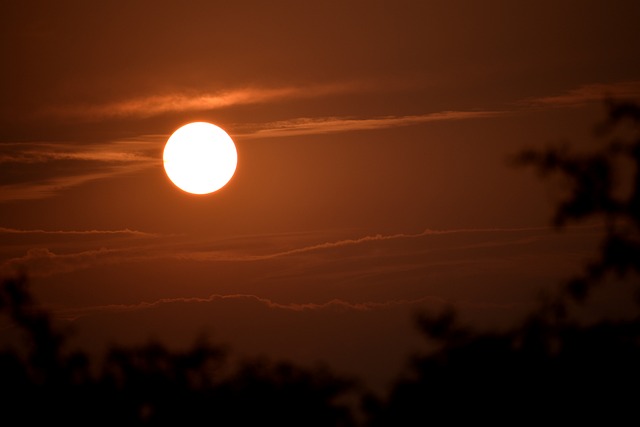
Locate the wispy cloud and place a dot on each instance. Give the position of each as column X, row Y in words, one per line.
column 142, row 149
column 126, row 231
column 45, row 262
column 587, row 94
column 113, row 158
column 54, row 185
column 309, row 126
column 334, row 304
column 154, row 105
column 42, row 262
column 185, row 101
column 237, row 257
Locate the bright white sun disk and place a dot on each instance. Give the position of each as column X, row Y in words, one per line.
column 200, row 158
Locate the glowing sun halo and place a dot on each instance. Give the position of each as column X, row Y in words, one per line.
column 200, row 158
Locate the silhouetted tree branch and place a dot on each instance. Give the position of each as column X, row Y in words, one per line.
column 549, row 368
column 599, row 189
column 153, row 385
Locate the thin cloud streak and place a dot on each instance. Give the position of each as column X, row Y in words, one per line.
column 148, row 106
column 141, row 149
column 126, row 231
column 118, row 158
column 585, row 94
column 50, row 187
column 182, row 102
column 311, row 126
column 222, row 256
column 43, row 262
column 334, row 304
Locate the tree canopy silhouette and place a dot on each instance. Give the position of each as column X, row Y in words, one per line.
column 551, row 367
column 599, row 188
column 152, row 385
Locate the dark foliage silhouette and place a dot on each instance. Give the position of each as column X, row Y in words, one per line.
column 597, row 189
column 551, row 367
column 152, row 385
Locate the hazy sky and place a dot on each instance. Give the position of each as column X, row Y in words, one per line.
column 373, row 173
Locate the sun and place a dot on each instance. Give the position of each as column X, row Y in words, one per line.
column 200, row 158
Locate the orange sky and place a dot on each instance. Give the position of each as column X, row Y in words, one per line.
column 373, row 173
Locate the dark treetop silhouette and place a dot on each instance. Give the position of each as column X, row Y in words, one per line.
column 550, row 368
column 151, row 384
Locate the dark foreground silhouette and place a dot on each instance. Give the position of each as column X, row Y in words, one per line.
column 551, row 368
column 153, row 385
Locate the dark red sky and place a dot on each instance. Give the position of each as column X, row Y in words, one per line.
column 373, row 176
